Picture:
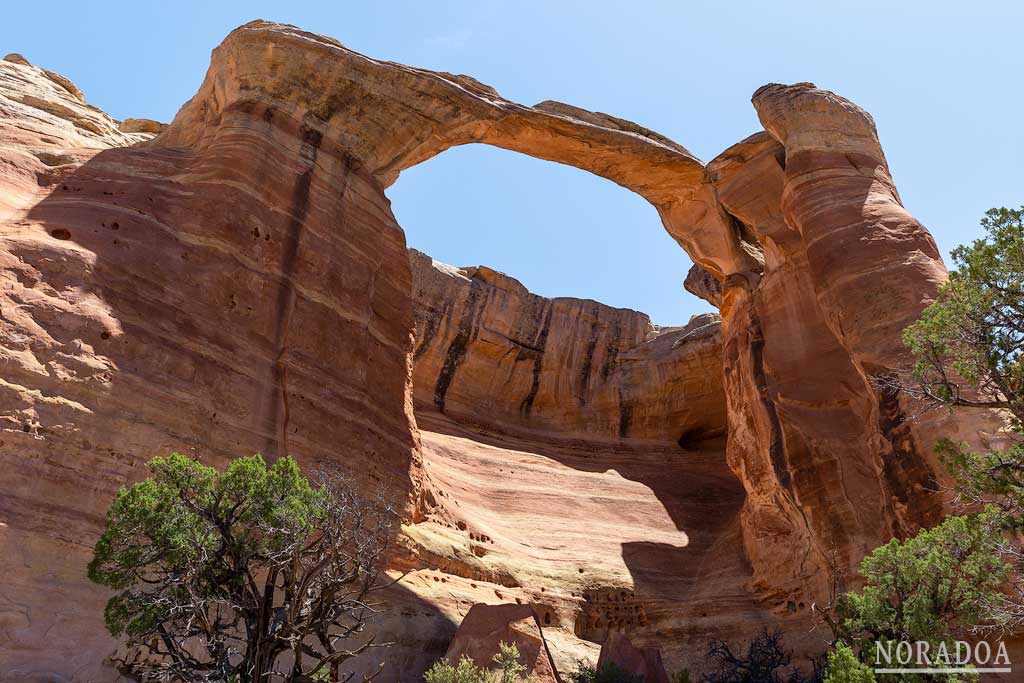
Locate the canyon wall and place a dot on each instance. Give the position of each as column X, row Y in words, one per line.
column 246, row 294
column 238, row 284
column 488, row 352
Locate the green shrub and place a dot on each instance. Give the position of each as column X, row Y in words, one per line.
column 932, row 588
column 201, row 560
column 465, row 671
column 844, row 667
column 509, row 669
column 609, row 673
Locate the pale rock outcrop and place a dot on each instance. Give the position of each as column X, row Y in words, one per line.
column 141, row 126
column 51, row 111
column 44, row 123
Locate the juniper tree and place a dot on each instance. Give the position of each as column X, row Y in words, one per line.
column 949, row 581
column 968, row 348
column 932, row 588
column 253, row 574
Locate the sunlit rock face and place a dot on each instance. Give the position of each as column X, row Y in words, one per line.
column 832, row 465
column 489, row 352
column 238, row 284
column 162, row 298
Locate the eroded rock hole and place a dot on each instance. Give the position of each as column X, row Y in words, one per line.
column 544, row 408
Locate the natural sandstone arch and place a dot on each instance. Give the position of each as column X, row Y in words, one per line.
column 383, row 117
column 389, row 117
column 816, row 234
column 239, row 284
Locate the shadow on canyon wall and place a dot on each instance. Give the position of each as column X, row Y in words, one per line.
column 698, row 491
column 177, row 307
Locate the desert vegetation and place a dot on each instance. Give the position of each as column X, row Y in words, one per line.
column 252, row 574
column 960, row 579
column 507, row 668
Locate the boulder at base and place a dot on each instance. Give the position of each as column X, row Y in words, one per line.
column 638, row 661
column 486, row 626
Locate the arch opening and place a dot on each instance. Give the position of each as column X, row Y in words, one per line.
column 574, row 367
column 559, row 231
column 536, row 409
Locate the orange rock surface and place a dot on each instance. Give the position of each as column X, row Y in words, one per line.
column 160, row 298
column 239, row 284
column 489, row 352
column 645, row 663
column 485, row 627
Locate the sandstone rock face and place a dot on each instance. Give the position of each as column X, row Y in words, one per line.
column 644, row 662
column 44, row 123
column 873, row 264
column 45, row 110
column 390, row 117
column 830, row 463
column 487, row 626
column 800, row 415
column 239, row 284
column 700, row 282
column 489, row 352
column 141, row 126
column 599, row 537
column 208, row 300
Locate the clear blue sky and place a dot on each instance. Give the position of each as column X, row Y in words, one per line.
column 942, row 79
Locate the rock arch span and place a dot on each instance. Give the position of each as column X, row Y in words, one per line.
column 390, row 117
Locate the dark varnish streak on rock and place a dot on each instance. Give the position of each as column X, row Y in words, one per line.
column 457, row 349
column 278, row 418
column 625, row 415
column 538, row 360
column 611, row 354
column 905, row 474
column 776, row 449
column 588, row 361
column 431, row 323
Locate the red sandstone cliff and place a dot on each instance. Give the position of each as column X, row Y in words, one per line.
column 239, row 284
column 489, row 352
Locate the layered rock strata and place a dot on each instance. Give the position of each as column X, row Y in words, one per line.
column 239, row 284
column 205, row 299
column 489, row 352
